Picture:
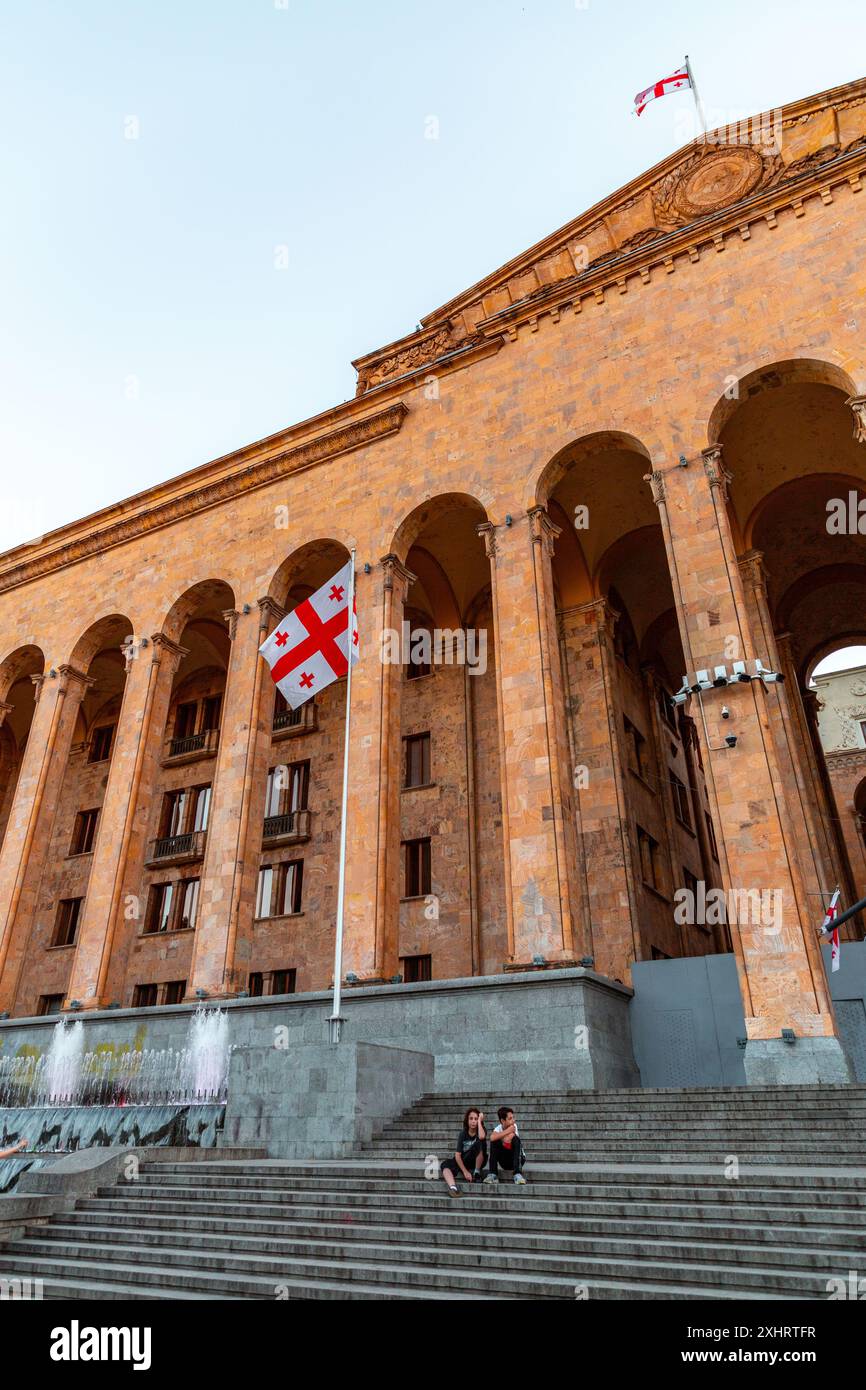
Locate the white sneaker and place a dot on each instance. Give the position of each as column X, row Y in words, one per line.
column 491, row 1177
column 520, row 1180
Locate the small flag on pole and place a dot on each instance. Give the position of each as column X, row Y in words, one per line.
column 310, row 648
column 674, row 83
column 830, row 928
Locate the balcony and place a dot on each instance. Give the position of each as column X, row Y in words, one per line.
column 189, row 749
column 176, row 849
column 291, row 829
column 288, row 723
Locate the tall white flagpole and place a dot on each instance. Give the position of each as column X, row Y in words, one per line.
column 698, row 103
column 335, row 1022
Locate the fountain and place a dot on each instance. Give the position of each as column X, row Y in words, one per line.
column 71, row 1099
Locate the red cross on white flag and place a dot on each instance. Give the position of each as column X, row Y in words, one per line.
column 674, row 83
column 829, row 928
column 309, row 649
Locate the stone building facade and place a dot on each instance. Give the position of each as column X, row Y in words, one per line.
column 840, row 697
column 612, row 459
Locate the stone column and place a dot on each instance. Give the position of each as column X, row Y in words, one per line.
column 374, row 786
column 28, row 832
column 533, row 744
column 221, row 896
column 781, row 973
column 119, row 851
column 599, row 761
column 814, row 851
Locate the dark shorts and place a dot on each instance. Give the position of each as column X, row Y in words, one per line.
column 469, row 1156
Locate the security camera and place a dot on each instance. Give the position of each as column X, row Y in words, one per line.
column 731, row 740
column 726, row 713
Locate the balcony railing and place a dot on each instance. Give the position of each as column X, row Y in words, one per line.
column 177, row 849
column 289, row 829
column 192, row 746
column 295, row 721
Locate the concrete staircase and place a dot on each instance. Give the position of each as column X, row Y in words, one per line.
column 627, row 1198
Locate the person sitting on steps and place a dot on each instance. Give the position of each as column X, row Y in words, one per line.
column 470, row 1154
column 16, row 1149
column 506, row 1150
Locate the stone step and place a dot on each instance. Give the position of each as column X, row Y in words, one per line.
column 848, row 1221
column 437, row 1227
column 551, row 1277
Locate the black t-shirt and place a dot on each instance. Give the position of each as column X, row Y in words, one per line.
column 466, row 1141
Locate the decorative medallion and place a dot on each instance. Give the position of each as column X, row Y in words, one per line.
column 717, row 179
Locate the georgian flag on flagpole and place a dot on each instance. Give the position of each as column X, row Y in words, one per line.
column 677, row 80
column 829, row 928
column 309, row 649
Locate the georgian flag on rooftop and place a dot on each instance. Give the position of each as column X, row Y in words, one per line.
column 309, row 649
column 829, row 928
column 674, row 83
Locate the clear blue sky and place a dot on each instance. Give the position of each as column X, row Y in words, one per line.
column 145, row 327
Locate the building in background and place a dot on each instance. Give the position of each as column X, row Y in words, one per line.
column 841, row 704
column 611, row 464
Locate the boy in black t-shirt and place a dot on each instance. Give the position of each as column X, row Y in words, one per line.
column 470, row 1153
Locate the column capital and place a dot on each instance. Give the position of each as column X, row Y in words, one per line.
column 718, row 475
column 544, row 531
column 753, row 569
column 658, row 488
column 165, row 650
column 487, row 531
column 396, row 575
column 230, row 618
column 858, row 409
column 76, row 680
column 5, row 708
column 270, row 613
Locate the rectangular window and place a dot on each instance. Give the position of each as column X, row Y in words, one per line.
column 711, row 836
column 637, row 752
column 144, row 996
column 256, row 985
column 100, row 744
column 84, row 832
column 265, row 891
column 416, row 765
column 292, row 884
column 159, row 908
column 280, row 889
column 185, row 719
column 649, row 859
column 49, row 1004
column 415, row 969
column 188, row 890
column 416, row 879
column 211, row 711
column 298, row 787
column 282, row 982
column 288, row 789
column 66, row 925
column 202, row 808
column 174, row 992
column 174, row 813
column 680, row 794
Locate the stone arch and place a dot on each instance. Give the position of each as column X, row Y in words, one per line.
column 313, row 562
column 791, row 371
column 210, row 596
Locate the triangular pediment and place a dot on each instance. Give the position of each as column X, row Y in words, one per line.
column 704, row 181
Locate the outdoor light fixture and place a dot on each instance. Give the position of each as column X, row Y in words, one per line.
column 788, row 1035
column 587, row 962
column 201, row 994
column 683, row 463
column 74, row 1004
column 367, row 567
column 507, row 518
column 396, row 980
column 351, row 978
column 246, row 608
column 538, row 960
column 731, row 740
column 242, row 994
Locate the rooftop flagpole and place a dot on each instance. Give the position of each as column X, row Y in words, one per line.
column 335, row 1022
column 698, row 103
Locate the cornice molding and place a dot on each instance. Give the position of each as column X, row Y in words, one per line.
column 99, row 538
